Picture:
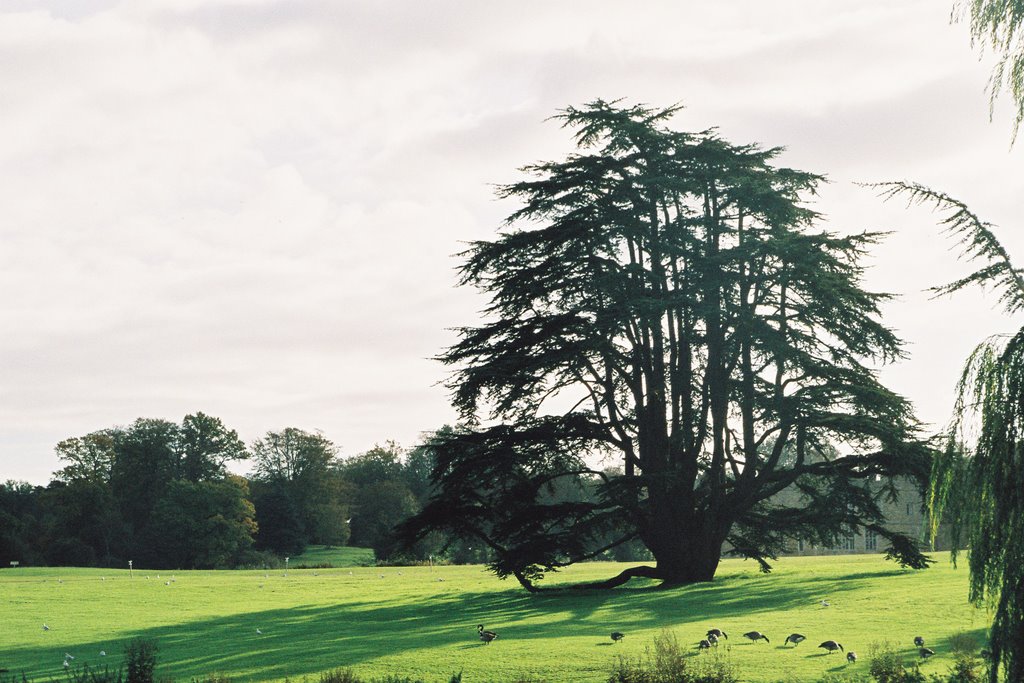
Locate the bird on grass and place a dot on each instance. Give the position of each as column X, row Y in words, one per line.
column 486, row 636
column 45, row 627
column 795, row 638
column 66, row 665
column 713, row 639
column 918, row 641
column 259, row 632
column 68, row 655
column 717, row 633
column 824, row 603
column 851, row 656
column 103, row 653
column 704, row 644
column 756, row 636
column 617, row 636
column 831, row 646
column 926, row 652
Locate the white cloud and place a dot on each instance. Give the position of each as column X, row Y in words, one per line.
column 249, row 207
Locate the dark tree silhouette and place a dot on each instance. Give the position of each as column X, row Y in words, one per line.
column 664, row 297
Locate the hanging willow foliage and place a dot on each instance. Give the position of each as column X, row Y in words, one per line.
column 979, row 489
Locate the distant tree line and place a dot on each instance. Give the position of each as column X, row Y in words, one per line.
column 159, row 493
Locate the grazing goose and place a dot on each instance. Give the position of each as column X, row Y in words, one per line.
column 918, row 641
column 713, row 639
column 831, row 646
column 756, row 636
column 617, row 636
column 795, row 638
column 926, row 652
column 717, row 633
column 851, row 656
column 486, row 636
column 704, row 644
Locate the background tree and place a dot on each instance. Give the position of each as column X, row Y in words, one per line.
column 978, row 484
column 383, row 499
column 673, row 305
column 997, row 25
column 279, row 522
column 90, row 457
column 102, row 501
column 206, row 447
column 204, row 524
column 20, row 523
column 304, row 466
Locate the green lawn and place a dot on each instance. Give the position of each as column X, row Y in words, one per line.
column 422, row 622
column 334, row 556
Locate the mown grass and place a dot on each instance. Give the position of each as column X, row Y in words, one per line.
column 322, row 555
column 421, row 622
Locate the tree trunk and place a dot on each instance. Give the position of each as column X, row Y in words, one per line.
column 685, row 556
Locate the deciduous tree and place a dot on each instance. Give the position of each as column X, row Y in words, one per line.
column 978, row 484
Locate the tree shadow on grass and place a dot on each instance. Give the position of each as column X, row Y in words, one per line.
column 305, row 640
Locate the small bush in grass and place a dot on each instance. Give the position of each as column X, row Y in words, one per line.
column 842, row 678
column 667, row 663
column 339, row 676
column 887, row 666
column 963, row 643
column 84, row 674
column 140, row 660
column 966, row 669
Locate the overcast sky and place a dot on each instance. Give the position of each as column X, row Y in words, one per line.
column 250, row 207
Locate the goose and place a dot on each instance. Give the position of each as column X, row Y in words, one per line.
column 831, row 646
column 713, row 639
column 918, row 641
column 926, row 652
column 756, row 636
column 617, row 636
column 45, row 627
column 795, row 638
column 486, row 636
column 851, row 656
column 703, row 645
column 718, row 633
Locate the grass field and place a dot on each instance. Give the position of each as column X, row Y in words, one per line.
column 422, row 622
column 335, row 556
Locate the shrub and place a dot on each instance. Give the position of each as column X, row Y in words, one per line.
column 87, row 675
column 666, row 663
column 140, row 660
column 966, row 669
column 887, row 666
column 339, row 676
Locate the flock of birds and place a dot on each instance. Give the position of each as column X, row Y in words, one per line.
column 715, row 635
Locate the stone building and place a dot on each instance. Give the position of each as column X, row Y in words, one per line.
column 906, row 515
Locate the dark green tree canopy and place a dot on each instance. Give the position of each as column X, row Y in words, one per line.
column 665, row 298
